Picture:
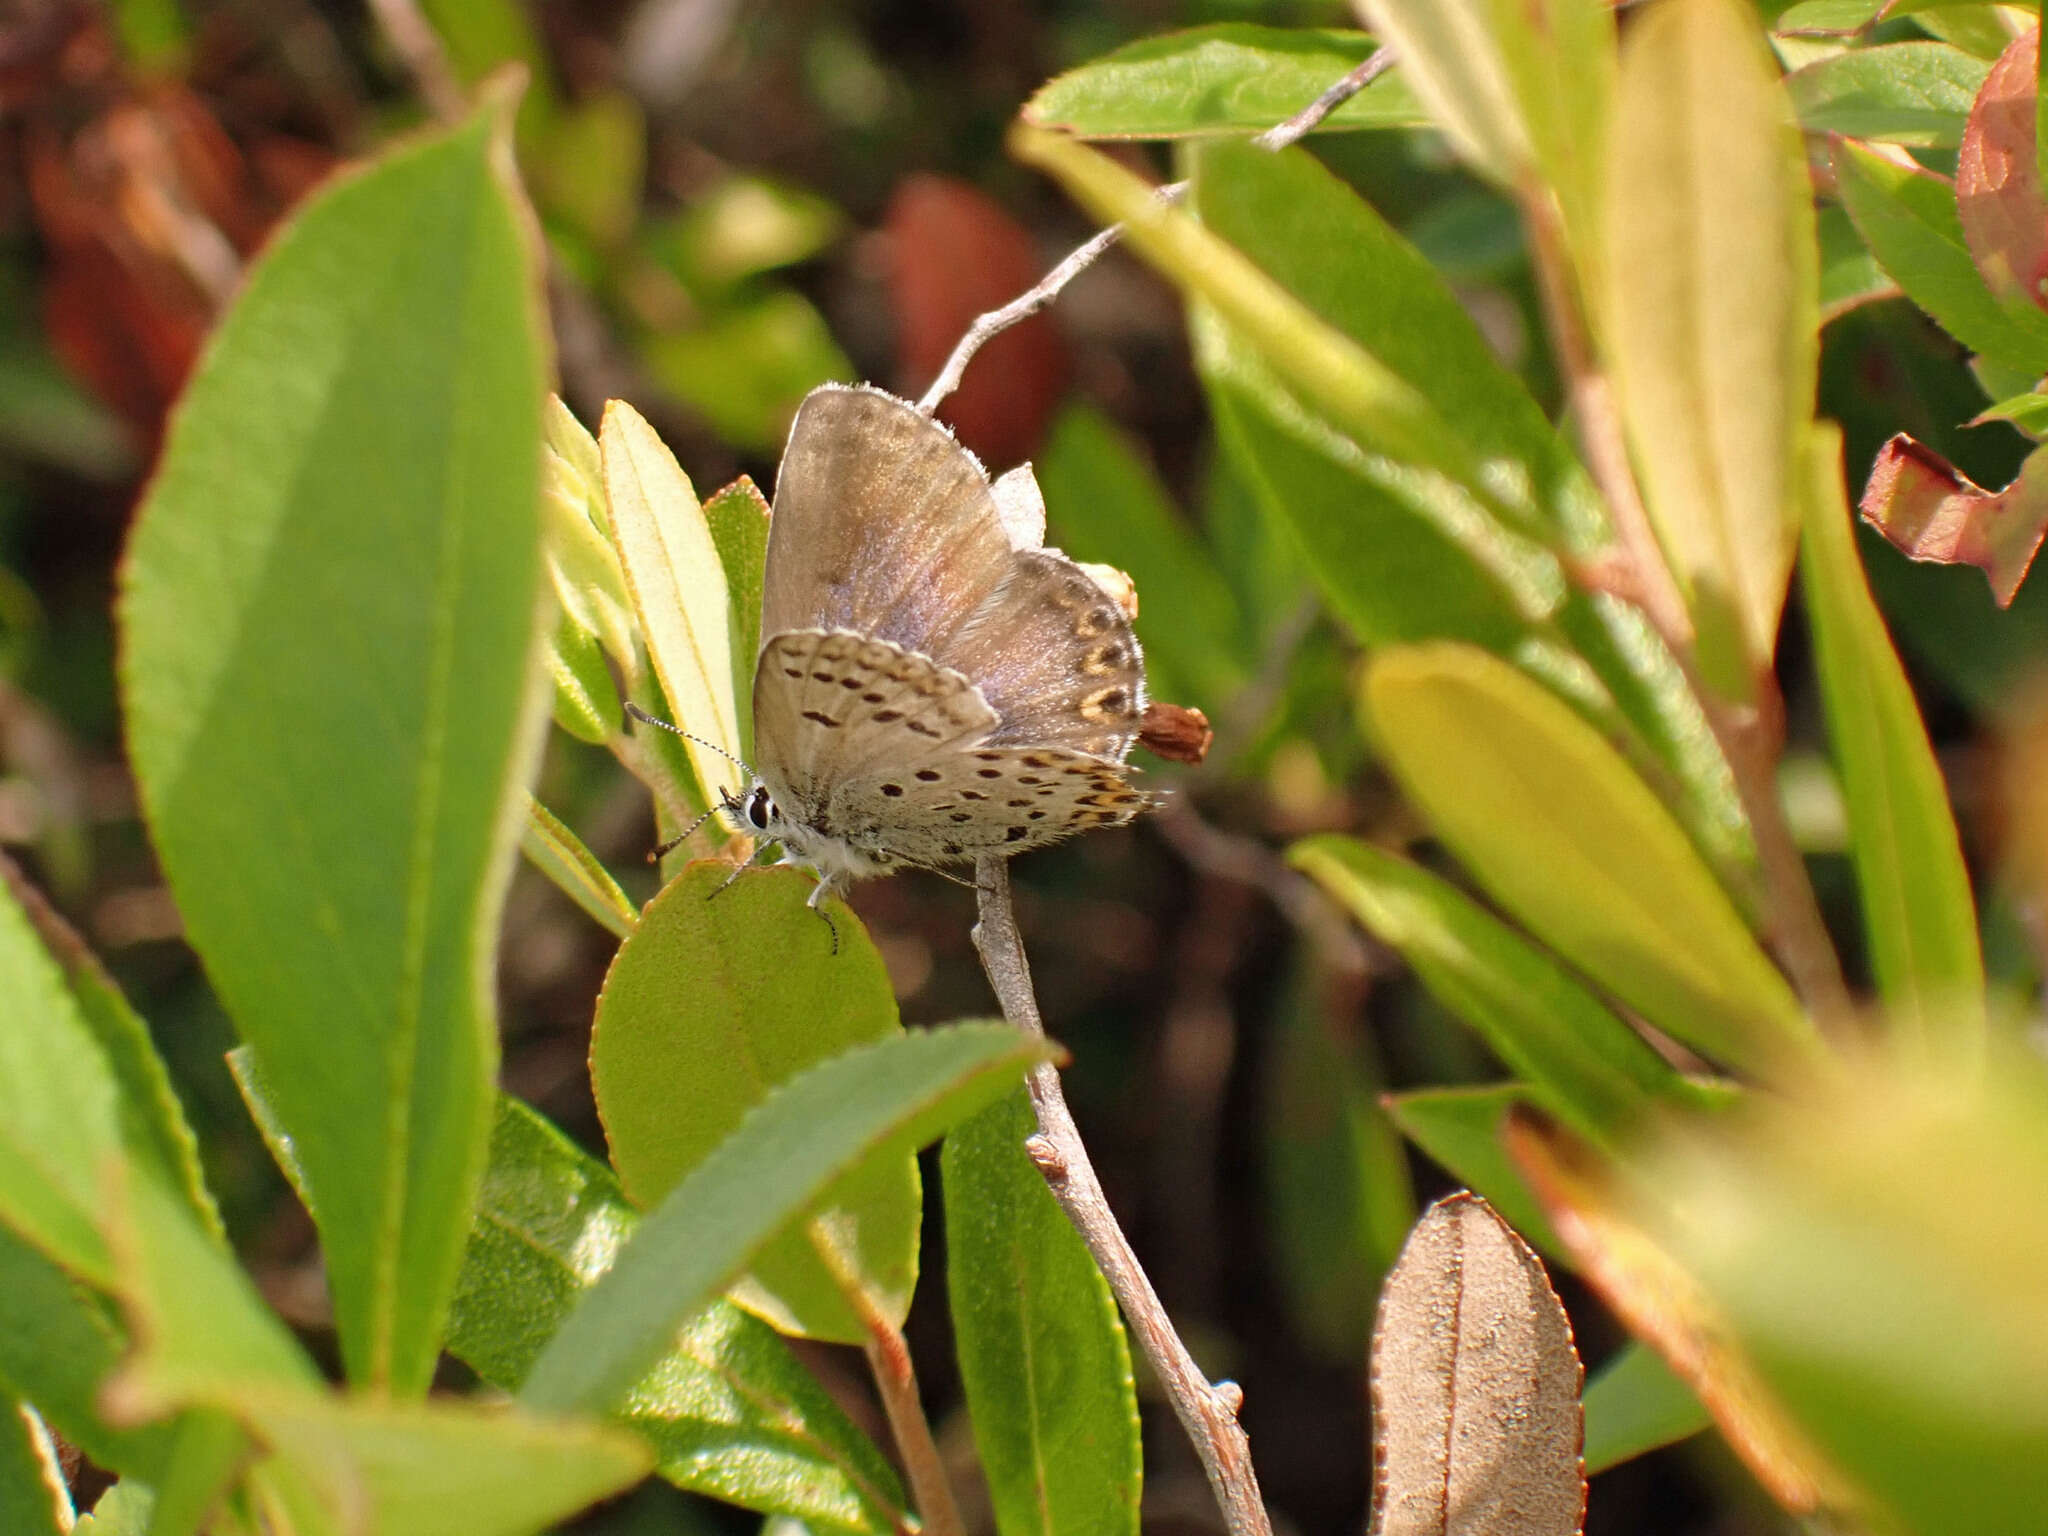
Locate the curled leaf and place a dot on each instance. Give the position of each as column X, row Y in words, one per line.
column 1175, row 732
column 1930, row 511
column 1475, row 1386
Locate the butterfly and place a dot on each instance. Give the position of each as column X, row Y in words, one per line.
column 932, row 684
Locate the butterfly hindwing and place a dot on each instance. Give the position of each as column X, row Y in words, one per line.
column 962, row 802
column 1055, row 657
column 827, row 703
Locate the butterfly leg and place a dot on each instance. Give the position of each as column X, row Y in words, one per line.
column 816, row 903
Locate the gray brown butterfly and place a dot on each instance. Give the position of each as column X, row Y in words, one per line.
column 932, row 685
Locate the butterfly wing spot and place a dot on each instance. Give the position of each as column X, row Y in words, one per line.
column 930, row 775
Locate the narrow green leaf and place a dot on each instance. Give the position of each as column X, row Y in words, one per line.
column 34, row 1500
column 1908, row 218
column 1916, row 93
column 1876, row 1245
column 738, row 517
column 1712, row 311
column 559, row 854
column 1450, row 52
column 59, row 1342
column 586, row 702
column 1563, row 834
column 2028, row 412
column 1331, row 372
column 444, row 1468
column 1579, row 1061
column 208, row 1450
column 1339, row 1197
column 729, row 1411
column 123, row 1510
column 1401, row 556
column 328, row 628
column 1634, row 1405
column 59, row 1111
column 153, row 1124
column 678, row 586
column 1917, row 907
column 1233, row 77
column 693, row 1032
column 1104, row 503
column 1849, row 275
column 890, row 1096
column 1461, row 1129
column 1043, row 1359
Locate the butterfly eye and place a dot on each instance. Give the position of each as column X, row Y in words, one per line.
column 759, row 809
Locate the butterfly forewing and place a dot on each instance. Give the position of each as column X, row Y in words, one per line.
column 882, row 525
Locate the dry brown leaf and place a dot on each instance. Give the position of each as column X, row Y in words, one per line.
column 1475, row 1386
column 1929, row 511
column 1659, row 1302
column 1176, row 732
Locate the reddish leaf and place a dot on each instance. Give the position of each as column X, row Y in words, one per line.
column 953, row 254
column 1998, row 184
column 1930, row 512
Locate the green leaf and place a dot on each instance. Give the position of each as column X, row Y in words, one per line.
column 1908, row 218
column 729, row 1411
column 1562, row 833
column 1339, row 1197
column 559, row 854
column 34, row 1500
column 1634, row 1405
column 60, row 1131
column 748, row 367
column 443, row 1468
column 678, row 587
column 2028, row 412
column 1849, row 274
column 1461, row 1129
column 1712, row 312
column 328, row 629
column 1043, row 1361
column 1917, row 908
column 693, row 1031
column 208, row 1450
column 1327, row 369
column 1401, row 556
column 153, row 1124
column 1233, row 77
column 1579, row 1061
column 738, row 516
column 59, row 1342
column 1916, row 93
column 1104, row 503
column 123, row 1510
column 884, row 1098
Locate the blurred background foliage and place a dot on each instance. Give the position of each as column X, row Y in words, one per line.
column 741, row 202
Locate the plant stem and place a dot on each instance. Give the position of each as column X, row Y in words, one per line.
column 1208, row 1411
column 1793, row 925
column 896, row 1382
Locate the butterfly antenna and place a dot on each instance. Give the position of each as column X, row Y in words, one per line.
column 682, row 837
column 646, row 719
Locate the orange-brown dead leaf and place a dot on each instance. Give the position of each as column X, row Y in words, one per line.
column 1931, row 512
column 1659, row 1302
column 1998, row 186
column 953, row 255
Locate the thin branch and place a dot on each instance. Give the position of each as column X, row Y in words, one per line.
column 1794, row 927
column 896, row 1381
column 991, row 325
column 1310, row 117
column 424, row 58
column 1208, row 1411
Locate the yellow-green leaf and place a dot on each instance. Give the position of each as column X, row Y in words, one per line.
column 1711, row 271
